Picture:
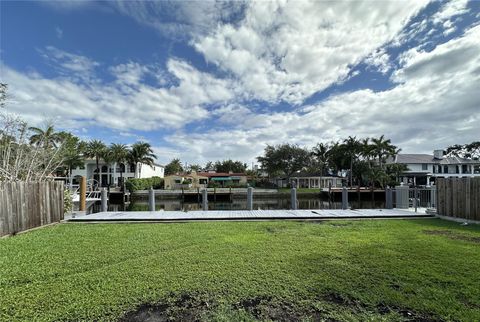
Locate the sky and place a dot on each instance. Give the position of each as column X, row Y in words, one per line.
column 204, row 80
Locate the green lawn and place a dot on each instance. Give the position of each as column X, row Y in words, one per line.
column 391, row 270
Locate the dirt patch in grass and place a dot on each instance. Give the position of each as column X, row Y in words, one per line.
column 453, row 235
column 357, row 306
column 266, row 308
column 183, row 307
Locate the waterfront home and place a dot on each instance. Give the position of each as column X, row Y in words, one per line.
column 224, row 179
column 424, row 168
column 113, row 173
column 185, row 181
column 314, row 181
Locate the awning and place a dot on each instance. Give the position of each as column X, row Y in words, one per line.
column 222, row 179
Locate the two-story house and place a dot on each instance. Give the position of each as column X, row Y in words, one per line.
column 424, row 168
column 113, row 173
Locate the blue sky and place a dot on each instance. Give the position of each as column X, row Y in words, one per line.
column 217, row 80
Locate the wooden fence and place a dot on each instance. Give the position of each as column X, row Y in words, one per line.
column 459, row 197
column 26, row 205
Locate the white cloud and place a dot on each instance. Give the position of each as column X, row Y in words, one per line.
column 290, row 50
column 179, row 20
column 70, row 65
column 126, row 103
column 436, row 105
column 450, row 9
column 59, row 32
column 380, row 60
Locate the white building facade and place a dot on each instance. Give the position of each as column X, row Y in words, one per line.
column 424, row 168
column 114, row 174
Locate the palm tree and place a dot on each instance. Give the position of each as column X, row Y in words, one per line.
column 320, row 152
column 118, row 153
column 47, row 138
column 141, row 152
column 96, row 149
column 352, row 147
column 72, row 150
column 383, row 149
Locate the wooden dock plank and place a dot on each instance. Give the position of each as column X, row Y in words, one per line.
column 246, row 215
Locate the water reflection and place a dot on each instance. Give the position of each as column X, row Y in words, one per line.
column 265, row 204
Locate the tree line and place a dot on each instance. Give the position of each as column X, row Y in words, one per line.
column 35, row 154
column 364, row 161
column 176, row 167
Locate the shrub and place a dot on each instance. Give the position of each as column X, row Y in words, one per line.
column 67, row 201
column 144, row 184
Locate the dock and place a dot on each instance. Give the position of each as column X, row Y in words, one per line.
column 246, row 215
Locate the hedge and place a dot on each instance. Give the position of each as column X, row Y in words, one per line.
column 144, row 184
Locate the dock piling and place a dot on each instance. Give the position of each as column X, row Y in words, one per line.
column 104, row 198
column 293, row 199
column 344, row 198
column 205, row 199
column 83, row 194
column 249, row 198
column 388, row 198
column 151, row 199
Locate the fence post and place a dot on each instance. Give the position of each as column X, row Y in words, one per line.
column 249, row 198
column 205, row 199
column 83, row 194
column 389, row 198
column 151, row 199
column 344, row 198
column 104, row 200
column 415, row 194
column 293, row 199
column 433, row 197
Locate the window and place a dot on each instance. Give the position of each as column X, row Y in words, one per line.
column 445, row 169
column 104, row 168
column 132, row 167
column 424, row 166
column 457, row 169
column 439, row 169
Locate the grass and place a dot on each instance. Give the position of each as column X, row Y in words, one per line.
column 378, row 270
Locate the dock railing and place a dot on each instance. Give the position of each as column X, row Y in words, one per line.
column 415, row 197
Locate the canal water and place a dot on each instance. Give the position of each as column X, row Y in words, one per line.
column 281, row 202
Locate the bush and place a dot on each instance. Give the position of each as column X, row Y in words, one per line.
column 67, row 201
column 144, row 184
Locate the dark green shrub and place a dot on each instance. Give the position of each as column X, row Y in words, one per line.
column 144, row 184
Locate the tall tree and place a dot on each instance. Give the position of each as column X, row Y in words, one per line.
column 467, row 151
column 383, row 148
column 284, row 158
column 118, row 153
column 230, row 165
column 352, row 149
column 175, row 166
column 141, row 153
column 47, row 137
column 96, row 149
column 72, row 151
column 320, row 155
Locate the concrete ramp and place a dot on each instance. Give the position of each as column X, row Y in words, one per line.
column 313, row 214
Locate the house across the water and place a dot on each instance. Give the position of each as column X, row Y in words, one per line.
column 196, row 180
column 424, row 168
column 114, row 173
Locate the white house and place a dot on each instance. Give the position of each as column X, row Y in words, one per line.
column 424, row 168
column 112, row 174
